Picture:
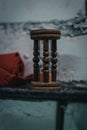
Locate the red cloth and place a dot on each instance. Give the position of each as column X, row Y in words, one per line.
column 12, row 70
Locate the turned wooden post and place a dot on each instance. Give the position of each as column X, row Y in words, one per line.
column 46, row 61
column 54, row 60
column 36, row 61
column 45, row 35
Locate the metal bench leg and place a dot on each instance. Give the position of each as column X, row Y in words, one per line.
column 60, row 115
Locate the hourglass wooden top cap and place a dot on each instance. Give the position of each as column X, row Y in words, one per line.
column 42, row 34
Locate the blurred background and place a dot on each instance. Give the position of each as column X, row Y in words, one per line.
column 17, row 19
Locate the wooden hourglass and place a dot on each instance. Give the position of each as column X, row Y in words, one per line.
column 45, row 35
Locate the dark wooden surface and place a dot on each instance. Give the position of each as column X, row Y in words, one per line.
column 42, row 34
column 68, row 93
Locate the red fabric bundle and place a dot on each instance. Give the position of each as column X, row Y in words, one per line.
column 12, row 70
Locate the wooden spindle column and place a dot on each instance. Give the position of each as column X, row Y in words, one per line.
column 36, row 61
column 45, row 35
column 54, row 60
column 46, row 61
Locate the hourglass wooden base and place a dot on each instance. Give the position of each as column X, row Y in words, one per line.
column 45, row 86
column 48, row 36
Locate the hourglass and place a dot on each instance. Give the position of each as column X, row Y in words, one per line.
column 49, row 38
